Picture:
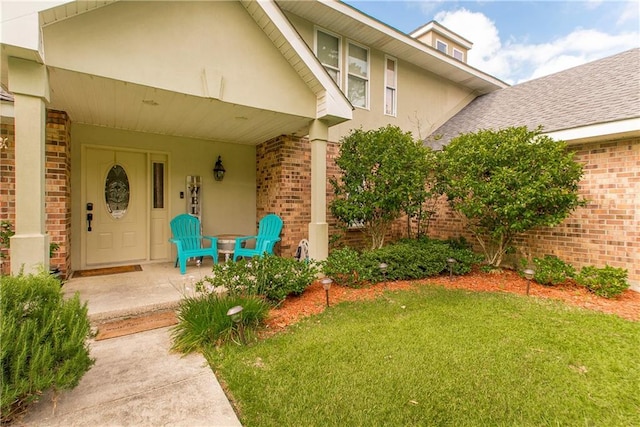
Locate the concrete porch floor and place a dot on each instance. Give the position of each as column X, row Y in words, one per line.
column 158, row 286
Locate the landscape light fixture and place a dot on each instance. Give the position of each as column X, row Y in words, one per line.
column 235, row 313
column 450, row 262
column 326, row 284
column 383, row 269
column 528, row 274
column 218, row 170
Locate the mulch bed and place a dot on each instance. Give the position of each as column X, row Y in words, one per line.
column 313, row 299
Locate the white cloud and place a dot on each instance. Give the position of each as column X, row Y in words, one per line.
column 517, row 61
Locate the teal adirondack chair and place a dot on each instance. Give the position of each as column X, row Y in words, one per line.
column 268, row 235
column 188, row 240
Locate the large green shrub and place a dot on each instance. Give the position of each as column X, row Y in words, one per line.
column 44, row 340
column 551, row 270
column 269, row 276
column 203, row 320
column 606, row 282
column 508, row 181
column 384, row 173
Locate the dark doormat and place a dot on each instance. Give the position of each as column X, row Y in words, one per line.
column 133, row 325
column 107, row 270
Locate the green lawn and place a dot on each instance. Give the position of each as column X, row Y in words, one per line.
column 440, row 357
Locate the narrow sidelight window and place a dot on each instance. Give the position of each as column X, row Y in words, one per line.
column 390, row 85
column 158, row 185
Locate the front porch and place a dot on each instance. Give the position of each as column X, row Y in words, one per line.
column 158, row 287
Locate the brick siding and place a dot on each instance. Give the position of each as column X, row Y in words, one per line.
column 58, row 187
column 605, row 232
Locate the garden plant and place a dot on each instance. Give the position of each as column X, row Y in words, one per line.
column 44, row 340
column 384, row 174
column 506, row 182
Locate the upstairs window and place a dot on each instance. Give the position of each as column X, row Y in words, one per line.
column 358, row 76
column 328, row 53
column 441, row 46
column 390, row 85
column 458, row 54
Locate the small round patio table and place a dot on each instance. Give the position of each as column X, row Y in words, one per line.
column 227, row 244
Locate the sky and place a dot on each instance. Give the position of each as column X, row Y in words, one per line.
column 517, row 41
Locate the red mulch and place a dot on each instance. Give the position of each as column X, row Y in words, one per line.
column 313, row 300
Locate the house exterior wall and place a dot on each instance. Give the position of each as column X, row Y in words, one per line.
column 149, row 43
column 228, row 206
column 605, row 232
column 58, row 189
column 424, row 100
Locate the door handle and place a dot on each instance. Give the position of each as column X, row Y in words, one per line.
column 89, row 215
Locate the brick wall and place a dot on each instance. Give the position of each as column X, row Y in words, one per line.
column 606, row 231
column 7, row 187
column 58, row 189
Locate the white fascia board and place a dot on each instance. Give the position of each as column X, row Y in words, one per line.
column 601, row 131
column 337, row 104
column 20, row 22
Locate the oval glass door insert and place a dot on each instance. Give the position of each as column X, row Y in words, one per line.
column 116, row 191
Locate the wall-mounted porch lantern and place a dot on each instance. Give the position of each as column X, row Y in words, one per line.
column 218, row 170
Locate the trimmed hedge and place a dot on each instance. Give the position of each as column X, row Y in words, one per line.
column 406, row 259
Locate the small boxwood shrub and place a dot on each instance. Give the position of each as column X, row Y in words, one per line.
column 551, row 270
column 606, row 282
column 406, row 259
column 203, row 320
column 44, row 340
column 269, row 276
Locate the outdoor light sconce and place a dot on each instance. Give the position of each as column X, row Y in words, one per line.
column 218, row 170
column 450, row 263
column 326, row 284
column 528, row 274
column 236, row 317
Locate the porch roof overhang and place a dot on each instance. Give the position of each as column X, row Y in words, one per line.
column 102, row 101
column 356, row 25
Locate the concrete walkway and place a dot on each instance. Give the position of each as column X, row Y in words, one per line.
column 137, row 380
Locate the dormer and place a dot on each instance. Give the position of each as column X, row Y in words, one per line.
column 443, row 39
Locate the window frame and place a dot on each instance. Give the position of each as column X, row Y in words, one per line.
column 338, row 70
column 446, row 47
column 387, row 86
column 366, row 79
column 461, row 59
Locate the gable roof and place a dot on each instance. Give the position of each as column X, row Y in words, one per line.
column 599, row 92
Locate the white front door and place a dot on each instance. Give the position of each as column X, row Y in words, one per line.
column 115, row 207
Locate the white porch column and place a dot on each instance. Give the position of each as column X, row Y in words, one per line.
column 29, row 83
column 318, row 228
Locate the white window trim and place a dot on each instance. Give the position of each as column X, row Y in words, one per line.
column 394, row 113
column 368, row 79
column 460, row 52
column 315, row 51
column 446, row 46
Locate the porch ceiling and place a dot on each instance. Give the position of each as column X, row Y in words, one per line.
column 100, row 101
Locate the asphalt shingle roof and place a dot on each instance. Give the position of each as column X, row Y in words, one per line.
column 597, row 92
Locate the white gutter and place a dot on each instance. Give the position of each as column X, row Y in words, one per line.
column 612, row 130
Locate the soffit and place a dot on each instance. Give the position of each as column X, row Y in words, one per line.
column 100, row 101
column 351, row 23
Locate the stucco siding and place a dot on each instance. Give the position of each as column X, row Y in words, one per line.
column 208, row 49
column 424, row 100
